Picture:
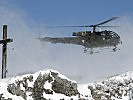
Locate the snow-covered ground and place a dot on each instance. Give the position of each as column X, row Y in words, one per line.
column 117, row 87
column 85, row 93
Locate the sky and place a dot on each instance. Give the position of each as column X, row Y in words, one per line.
column 78, row 11
column 27, row 19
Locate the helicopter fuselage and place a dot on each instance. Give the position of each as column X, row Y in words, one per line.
column 98, row 39
column 88, row 39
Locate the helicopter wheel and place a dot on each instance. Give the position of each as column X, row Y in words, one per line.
column 91, row 51
column 85, row 50
column 115, row 48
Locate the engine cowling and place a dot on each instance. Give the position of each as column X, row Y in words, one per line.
column 81, row 33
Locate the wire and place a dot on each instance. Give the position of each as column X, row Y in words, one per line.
column 22, row 56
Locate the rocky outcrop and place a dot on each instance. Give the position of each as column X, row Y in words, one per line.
column 15, row 88
column 51, row 85
column 38, row 87
column 64, row 87
column 35, row 87
column 115, row 87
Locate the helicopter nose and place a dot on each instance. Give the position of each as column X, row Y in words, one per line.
column 118, row 39
column 116, row 36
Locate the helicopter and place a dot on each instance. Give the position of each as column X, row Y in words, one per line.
column 89, row 39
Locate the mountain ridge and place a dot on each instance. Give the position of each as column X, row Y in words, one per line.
column 51, row 85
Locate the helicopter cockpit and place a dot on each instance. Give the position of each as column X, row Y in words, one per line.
column 109, row 34
column 114, row 34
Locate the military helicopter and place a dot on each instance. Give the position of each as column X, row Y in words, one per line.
column 89, row 39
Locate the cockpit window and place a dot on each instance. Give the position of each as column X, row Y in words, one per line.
column 114, row 34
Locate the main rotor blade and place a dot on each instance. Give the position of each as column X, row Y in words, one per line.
column 97, row 25
column 108, row 26
column 78, row 26
column 107, row 21
column 65, row 26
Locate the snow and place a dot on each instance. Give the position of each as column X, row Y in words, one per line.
column 82, row 88
column 6, row 94
column 122, row 77
column 57, row 96
column 84, row 91
column 47, row 85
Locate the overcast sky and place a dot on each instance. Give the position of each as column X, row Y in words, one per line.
column 26, row 20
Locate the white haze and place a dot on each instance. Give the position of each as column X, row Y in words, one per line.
column 27, row 53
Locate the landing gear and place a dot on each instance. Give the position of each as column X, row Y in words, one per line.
column 91, row 51
column 115, row 48
column 85, row 50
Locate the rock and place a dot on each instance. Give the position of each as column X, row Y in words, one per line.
column 65, row 87
column 12, row 88
column 54, row 74
column 116, row 87
column 58, row 84
column 37, row 92
column 48, row 91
